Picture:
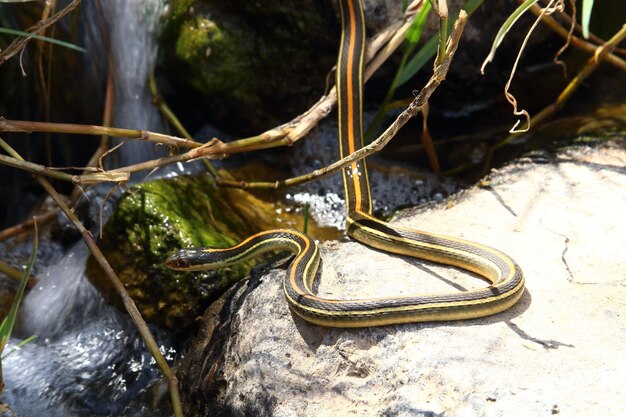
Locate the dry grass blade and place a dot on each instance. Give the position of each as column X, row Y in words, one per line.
column 24, row 126
column 18, row 44
column 586, row 17
column 549, row 111
column 84, row 179
column 552, row 6
column 576, row 41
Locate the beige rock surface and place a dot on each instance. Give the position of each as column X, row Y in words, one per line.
column 559, row 351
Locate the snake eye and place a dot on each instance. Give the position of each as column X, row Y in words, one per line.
column 176, row 262
column 183, row 263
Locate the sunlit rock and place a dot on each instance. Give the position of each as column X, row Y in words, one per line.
column 558, row 350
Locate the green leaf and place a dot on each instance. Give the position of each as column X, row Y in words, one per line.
column 429, row 49
column 6, row 328
column 418, row 61
column 408, row 68
column 19, row 345
column 504, row 29
column 471, row 6
column 586, row 16
column 42, row 38
column 414, row 33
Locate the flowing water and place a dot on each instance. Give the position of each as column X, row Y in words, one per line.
column 88, row 359
column 132, row 27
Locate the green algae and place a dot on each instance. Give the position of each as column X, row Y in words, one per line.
column 152, row 221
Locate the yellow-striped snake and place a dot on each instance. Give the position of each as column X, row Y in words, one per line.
column 507, row 280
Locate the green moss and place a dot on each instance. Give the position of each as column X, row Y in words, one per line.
column 154, row 220
column 255, row 65
column 195, row 37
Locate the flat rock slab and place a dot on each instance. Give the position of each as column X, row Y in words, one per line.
column 560, row 350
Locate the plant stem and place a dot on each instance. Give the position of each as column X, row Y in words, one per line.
column 590, row 66
column 18, row 44
column 27, row 225
column 168, row 114
column 443, row 30
column 29, row 127
column 16, row 274
column 379, row 49
column 85, row 179
column 128, row 302
column 576, row 41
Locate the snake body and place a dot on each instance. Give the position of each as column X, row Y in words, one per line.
column 507, row 280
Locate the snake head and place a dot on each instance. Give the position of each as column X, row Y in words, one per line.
column 179, row 261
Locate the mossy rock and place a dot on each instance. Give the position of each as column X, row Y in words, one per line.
column 256, row 64
column 155, row 219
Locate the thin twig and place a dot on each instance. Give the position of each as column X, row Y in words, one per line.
column 77, row 192
column 128, row 302
column 599, row 41
column 440, row 8
column 46, row 87
column 157, row 100
column 25, row 126
column 168, row 114
column 576, row 41
column 27, row 225
column 16, row 274
column 416, row 105
column 79, row 180
column 378, row 51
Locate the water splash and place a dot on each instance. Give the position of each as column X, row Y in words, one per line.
column 61, row 300
column 393, row 187
column 88, row 358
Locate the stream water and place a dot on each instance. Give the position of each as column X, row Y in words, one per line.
column 88, row 359
column 133, row 25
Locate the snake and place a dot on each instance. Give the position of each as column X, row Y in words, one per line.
column 505, row 277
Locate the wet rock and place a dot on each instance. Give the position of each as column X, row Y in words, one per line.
column 559, row 349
